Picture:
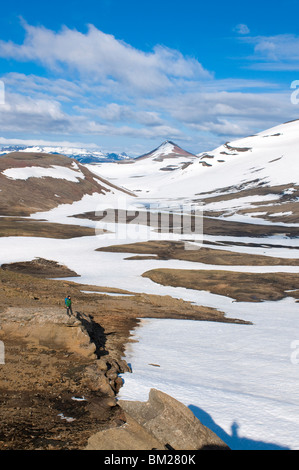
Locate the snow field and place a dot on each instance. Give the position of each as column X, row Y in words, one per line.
column 239, row 380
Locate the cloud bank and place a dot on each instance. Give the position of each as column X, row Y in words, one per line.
column 97, row 85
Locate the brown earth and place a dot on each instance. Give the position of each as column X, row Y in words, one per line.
column 46, row 368
column 210, row 225
column 176, row 250
column 250, row 244
column 18, row 227
column 213, row 226
column 243, row 287
column 60, row 380
column 24, row 290
column 235, row 193
column 287, row 202
column 24, row 197
column 41, row 268
column 287, row 212
column 54, row 393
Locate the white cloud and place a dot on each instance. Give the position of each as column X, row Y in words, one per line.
column 227, row 114
column 22, row 114
column 183, row 115
column 43, row 87
column 114, row 112
column 100, row 86
column 25, row 114
column 242, row 29
column 102, row 57
column 280, row 52
column 220, row 127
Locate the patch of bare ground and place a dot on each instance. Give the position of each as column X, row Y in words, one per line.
column 47, row 402
column 287, row 212
column 23, row 290
column 176, row 250
column 213, row 226
column 40, row 267
column 227, row 194
column 18, row 227
column 285, row 209
column 251, row 244
column 210, row 225
column 243, row 287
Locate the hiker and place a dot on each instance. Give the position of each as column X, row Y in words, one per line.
column 68, row 304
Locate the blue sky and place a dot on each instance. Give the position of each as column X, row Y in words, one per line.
column 126, row 75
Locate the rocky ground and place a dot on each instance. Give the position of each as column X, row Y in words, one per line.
column 60, row 379
column 48, row 396
column 60, row 376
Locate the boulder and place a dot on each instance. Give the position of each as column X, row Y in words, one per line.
column 160, row 423
column 130, row 436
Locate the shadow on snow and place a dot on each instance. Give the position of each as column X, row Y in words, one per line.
column 233, row 440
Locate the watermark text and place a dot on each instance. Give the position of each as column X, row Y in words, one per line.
column 133, row 221
column 295, row 94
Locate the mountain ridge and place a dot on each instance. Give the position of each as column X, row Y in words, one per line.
column 33, row 182
column 80, row 154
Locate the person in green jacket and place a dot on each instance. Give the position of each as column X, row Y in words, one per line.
column 68, row 304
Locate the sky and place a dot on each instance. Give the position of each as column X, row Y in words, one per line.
column 124, row 76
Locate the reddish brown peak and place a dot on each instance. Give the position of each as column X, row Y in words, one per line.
column 167, row 149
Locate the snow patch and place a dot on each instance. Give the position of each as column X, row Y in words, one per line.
column 55, row 171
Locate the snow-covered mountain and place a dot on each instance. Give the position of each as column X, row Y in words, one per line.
column 141, row 173
column 82, row 155
column 170, row 152
column 256, row 176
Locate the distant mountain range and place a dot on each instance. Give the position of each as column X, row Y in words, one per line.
column 252, row 178
column 82, row 155
column 167, row 150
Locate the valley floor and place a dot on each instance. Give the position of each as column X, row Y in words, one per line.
column 235, row 368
